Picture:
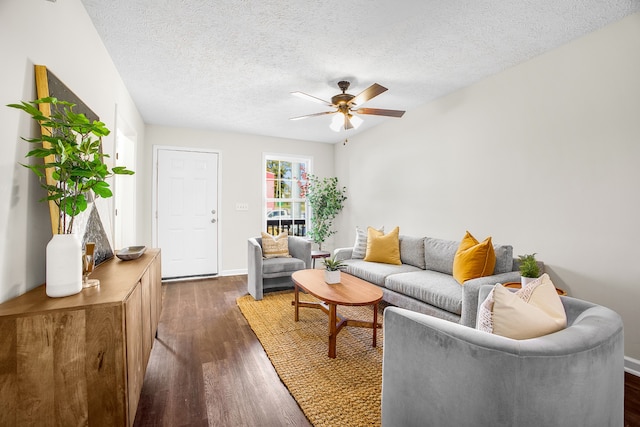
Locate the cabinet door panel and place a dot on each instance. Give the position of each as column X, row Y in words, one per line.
column 106, row 379
column 156, row 295
column 50, row 352
column 147, row 337
column 133, row 331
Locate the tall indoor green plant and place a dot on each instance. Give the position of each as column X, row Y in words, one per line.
column 72, row 168
column 326, row 200
column 70, row 145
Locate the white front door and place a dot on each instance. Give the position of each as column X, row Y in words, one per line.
column 187, row 212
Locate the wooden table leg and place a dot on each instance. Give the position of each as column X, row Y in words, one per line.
column 332, row 331
column 375, row 323
column 296, row 300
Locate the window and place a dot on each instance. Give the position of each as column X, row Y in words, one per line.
column 285, row 204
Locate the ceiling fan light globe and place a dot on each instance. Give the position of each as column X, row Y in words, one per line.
column 337, row 122
column 355, row 121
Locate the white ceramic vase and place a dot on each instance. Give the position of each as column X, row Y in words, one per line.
column 64, row 266
column 332, row 277
column 526, row 280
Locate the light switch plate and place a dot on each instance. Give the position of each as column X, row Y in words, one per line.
column 242, row 206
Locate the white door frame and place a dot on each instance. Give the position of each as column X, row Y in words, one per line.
column 124, row 129
column 154, row 195
column 122, row 142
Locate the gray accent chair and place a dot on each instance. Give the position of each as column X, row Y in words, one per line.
column 275, row 273
column 440, row 373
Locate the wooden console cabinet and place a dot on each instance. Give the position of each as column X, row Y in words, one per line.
column 80, row 360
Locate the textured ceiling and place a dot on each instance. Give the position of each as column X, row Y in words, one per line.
column 231, row 65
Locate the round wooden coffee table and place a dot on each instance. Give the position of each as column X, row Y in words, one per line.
column 350, row 291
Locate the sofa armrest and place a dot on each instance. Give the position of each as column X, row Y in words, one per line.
column 300, row 247
column 471, row 289
column 254, row 268
column 431, row 365
column 342, row 254
column 425, row 359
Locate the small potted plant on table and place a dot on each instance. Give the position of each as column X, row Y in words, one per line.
column 332, row 270
column 529, row 269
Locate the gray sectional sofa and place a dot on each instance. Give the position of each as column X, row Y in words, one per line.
column 425, row 283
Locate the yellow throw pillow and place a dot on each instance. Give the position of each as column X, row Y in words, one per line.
column 275, row 247
column 473, row 259
column 360, row 245
column 384, row 248
column 531, row 312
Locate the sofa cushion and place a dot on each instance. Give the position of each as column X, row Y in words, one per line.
column 384, row 248
column 473, row 259
column 275, row 246
column 531, row 312
column 439, row 253
column 275, row 267
column 374, row 272
column 438, row 289
column 412, row 251
column 360, row 245
column 504, row 258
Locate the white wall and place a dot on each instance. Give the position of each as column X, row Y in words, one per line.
column 241, row 181
column 543, row 156
column 62, row 37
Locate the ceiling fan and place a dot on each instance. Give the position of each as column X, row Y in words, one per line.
column 347, row 104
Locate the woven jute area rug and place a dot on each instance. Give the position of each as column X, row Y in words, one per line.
column 344, row 391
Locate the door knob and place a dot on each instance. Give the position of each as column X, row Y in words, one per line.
column 213, row 211
column 213, row 220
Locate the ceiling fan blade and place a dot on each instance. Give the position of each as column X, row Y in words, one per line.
column 311, row 98
column 367, row 94
column 313, row 115
column 347, row 123
column 380, row 112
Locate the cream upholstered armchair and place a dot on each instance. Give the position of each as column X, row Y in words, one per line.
column 275, row 273
column 443, row 374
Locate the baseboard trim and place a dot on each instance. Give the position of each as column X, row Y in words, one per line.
column 632, row 366
column 234, row 272
column 187, row 278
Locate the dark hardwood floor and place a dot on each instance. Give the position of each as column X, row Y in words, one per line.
column 201, row 330
column 631, row 400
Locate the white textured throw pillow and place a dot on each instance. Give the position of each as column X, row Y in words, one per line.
column 531, row 312
column 360, row 245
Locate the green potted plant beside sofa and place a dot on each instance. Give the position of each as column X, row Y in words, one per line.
column 72, row 168
column 326, row 200
column 529, row 268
